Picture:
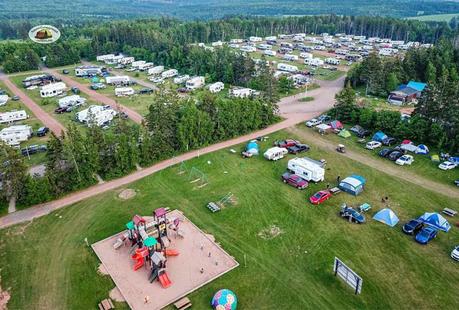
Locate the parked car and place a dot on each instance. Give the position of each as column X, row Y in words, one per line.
column 33, row 149
column 394, row 155
column 15, row 98
column 313, row 122
column 60, row 110
column 373, row 145
column 456, row 182
column 412, row 227
column 65, row 71
column 351, row 214
column 319, row 197
column 42, row 131
column 97, row 86
column 405, row 160
column 75, row 90
column 363, row 133
column 389, row 141
column 324, row 118
column 294, row 180
column 145, row 91
column 298, row 148
column 426, row 234
column 447, row 165
column 183, row 90
column 455, row 253
column 385, row 152
column 286, row 143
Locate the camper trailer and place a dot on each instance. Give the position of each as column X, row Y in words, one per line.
column 264, row 46
column 308, row 169
column 70, row 101
column 118, row 80
column 275, row 153
column 217, row 44
column 124, row 91
column 155, row 70
column 14, row 135
column 169, row 73
column 145, row 66
column 236, row 41
column 248, row 49
column 306, row 55
column 96, row 115
column 106, row 57
column 52, row 90
column 181, row 79
column 126, row 60
column 255, row 39
column 84, row 71
column 290, row 57
column 195, row 82
column 271, row 38
column 13, row 116
column 270, row 53
column 137, row 64
column 216, row 87
column 287, row 68
column 241, row 92
column 332, row 61
column 315, row 62
column 38, row 80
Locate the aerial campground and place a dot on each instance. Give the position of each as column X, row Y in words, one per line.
column 243, row 155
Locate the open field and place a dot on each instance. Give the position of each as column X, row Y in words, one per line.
column 435, row 18
column 290, row 271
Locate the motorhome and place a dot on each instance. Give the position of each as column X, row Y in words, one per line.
column 124, row 91
column 137, row 64
column 255, row 39
column 106, row 57
column 169, row 73
column 16, row 134
column 96, row 115
column 306, row 55
column 275, row 153
column 286, row 67
column 248, row 49
column 118, row 80
column 264, row 46
column 332, row 61
column 195, row 82
column 38, row 80
column 126, row 60
column 181, row 79
column 315, row 62
column 307, row 168
column 13, row 116
column 216, row 87
column 51, row 90
column 271, row 38
column 70, row 101
column 290, row 57
column 84, row 71
column 155, row 70
column 270, row 53
column 145, row 66
column 4, row 99
column 241, row 92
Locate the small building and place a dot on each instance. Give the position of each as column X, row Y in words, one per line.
column 14, row 135
column 118, row 80
column 216, row 87
column 124, row 91
column 406, row 94
column 96, row 115
column 13, row 116
column 155, row 70
column 353, row 185
column 51, row 90
column 70, row 101
column 169, row 73
column 195, row 82
column 84, row 71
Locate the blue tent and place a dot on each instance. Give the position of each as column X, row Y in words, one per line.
column 454, row 160
column 353, row 185
column 252, row 147
column 379, row 136
column 386, row 216
column 417, row 85
column 422, row 149
column 436, row 220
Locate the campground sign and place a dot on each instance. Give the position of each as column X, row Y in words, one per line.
column 348, row 275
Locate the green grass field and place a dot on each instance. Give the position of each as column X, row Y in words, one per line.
column 47, row 265
column 435, row 18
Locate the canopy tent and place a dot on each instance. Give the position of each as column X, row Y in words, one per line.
column 344, row 133
column 336, row 125
column 406, row 141
column 252, row 147
column 422, row 149
column 386, row 216
column 379, row 136
column 409, row 147
column 436, row 220
column 353, row 185
column 435, row 158
column 323, row 127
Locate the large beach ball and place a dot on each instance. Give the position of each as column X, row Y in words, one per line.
column 224, row 300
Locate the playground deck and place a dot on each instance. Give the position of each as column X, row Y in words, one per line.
column 184, row 270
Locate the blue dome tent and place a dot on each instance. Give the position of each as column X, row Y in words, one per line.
column 422, row 149
column 436, row 220
column 252, row 147
column 386, row 216
column 379, row 136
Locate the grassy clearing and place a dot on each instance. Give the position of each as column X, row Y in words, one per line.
column 306, row 99
column 291, row 271
column 435, row 18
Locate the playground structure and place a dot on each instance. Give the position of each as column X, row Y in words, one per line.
column 227, row 200
column 201, row 260
column 195, row 176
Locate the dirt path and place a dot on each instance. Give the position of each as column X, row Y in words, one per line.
column 386, row 167
column 136, row 117
column 44, row 117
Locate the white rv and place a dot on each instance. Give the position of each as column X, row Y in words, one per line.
column 241, row 92
column 82, row 71
column 315, row 62
column 195, row 82
column 106, row 57
column 118, row 80
column 181, row 79
column 332, row 61
column 155, row 70
column 13, row 116
column 341, row 52
column 248, row 49
column 306, row 55
column 236, row 41
column 308, row 169
column 290, row 57
column 52, row 89
column 97, row 115
column 217, row 44
column 216, row 87
column 4, row 99
column 124, row 91
column 286, row 67
column 14, row 135
column 271, row 38
column 126, row 60
column 137, row 64
column 169, row 73
column 270, row 53
column 255, row 39
column 145, row 66
column 275, row 153
column 264, row 46
column 70, row 101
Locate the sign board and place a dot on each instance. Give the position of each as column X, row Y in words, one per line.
column 348, row 275
column 44, row 34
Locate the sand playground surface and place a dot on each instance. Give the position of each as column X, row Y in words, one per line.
column 200, row 261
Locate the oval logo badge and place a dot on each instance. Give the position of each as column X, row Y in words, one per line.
column 44, row 34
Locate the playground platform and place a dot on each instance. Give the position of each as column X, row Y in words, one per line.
column 184, row 270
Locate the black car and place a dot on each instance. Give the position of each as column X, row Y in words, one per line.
column 412, row 227
column 298, row 148
column 33, row 149
column 385, row 152
column 389, row 141
column 394, row 155
column 42, row 131
column 75, row 90
column 60, row 110
column 144, row 91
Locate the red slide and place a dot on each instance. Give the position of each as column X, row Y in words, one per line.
column 164, row 280
column 172, row 252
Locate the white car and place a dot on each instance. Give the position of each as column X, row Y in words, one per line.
column 373, row 145
column 405, row 160
column 313, row 122
column 455, row 253
column 447, row 165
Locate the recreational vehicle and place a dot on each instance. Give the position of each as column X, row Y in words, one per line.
column 106, row 57
column 52, row 90
column 181, row 79
column 216, row 87
column 137, row 64
column 264, row 46
column 275, row 153
column 126, row 60
column 169, row 73
column 236, row 41
column 248, row 49
column 145, row 66
column 290, row 57
column 83, row 71
column 96, row 115
column 124, row 91
column 241, row 92
column 255, row 39
column 341, row 52
column 308, row 169
column 14, row 135
column 118, row 80
column 270, row 53
column 271, row 38
column 217, row 44
column 286, row 44
column 38, row 80
column 306, row 55
column 195, row 82
column 332, row 61
column 70, row 101
column 286, row 67
column 8, row 117
column 315, row 62
column 155, row 70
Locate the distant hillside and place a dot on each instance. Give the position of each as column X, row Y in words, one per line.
column 207, row 9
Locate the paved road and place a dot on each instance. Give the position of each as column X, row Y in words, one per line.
column 44, row 117
column 290, row 108
column 136, row 117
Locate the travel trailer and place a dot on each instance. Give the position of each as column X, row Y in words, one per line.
column 106, row 57
column 286, row 67
column 155, row 70
column 38, row 80
column 236, row 41
column 14, row 135
column 126, row 60
column 83, row 71
column 255, row 39
column 118, row 80
column 169, row 73
column 332, row 61
column 315, row 62
column 275, row 153
column 70, row 101
column 290, row 57
column 264, row 46
column 195, row 82
column 96, row 115
column 137, row 64
column 308, row 169
column 270, row 53
column 124, row 91
column 306, row 55
column 13, row 116
column 145, row 66
column 53, row 89
column 216, row 87
column 248, row 49
column 241, row 92
column 181, row 79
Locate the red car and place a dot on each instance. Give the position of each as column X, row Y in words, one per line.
column 286, row 143
column 319, row 197
column 294, row 180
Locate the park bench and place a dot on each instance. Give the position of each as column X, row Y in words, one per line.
column 106, row 304
column 212, row 206
column 449, row 212
column 183, row 303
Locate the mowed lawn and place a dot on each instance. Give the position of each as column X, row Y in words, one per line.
column 47, row 265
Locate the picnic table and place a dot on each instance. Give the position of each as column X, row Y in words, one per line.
column 183, row 303
column 449, row 212
column 212, row 206
column 106, row 304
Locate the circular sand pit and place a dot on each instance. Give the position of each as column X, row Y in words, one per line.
column 102, row 270
column 115, row 294
column 127, row 194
